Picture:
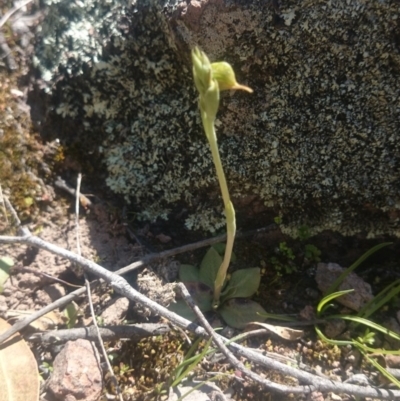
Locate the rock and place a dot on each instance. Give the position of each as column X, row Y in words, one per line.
column 76, row 373
column 326, row 275
column 393, row 325
column 116, row 311
column 333, row 328
column 317, row 141
column 207, row 392
column 315, row 396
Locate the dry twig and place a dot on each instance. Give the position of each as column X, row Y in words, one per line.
column 89, row 294
column 120, row 285
column 12, row 11
column 222, row 347
column 108, row 333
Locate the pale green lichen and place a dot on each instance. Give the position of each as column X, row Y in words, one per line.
column 317, row 142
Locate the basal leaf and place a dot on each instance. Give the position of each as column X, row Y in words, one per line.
column 243, row 284
column 238, row 312
column 209, row 267
column 188, row 273
column 180, row 308
column 201, row 294
column 6, row 264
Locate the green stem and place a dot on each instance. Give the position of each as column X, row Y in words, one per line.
column 229, row 209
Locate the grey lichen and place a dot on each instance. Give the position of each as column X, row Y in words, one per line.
column 318, row 141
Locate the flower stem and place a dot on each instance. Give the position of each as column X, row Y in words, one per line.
column 209, row 129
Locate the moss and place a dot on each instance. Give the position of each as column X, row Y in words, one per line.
column 20, row 155
column 316, row 143
column 146, row 367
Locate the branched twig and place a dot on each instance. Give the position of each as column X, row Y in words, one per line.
column 222, row 347
column 108, row 333
column 122, row 287
column 151, row 258
column 155, row 257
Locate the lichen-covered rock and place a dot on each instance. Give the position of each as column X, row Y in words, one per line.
column 317, row 142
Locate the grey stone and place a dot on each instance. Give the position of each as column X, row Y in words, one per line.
column 317, row 142
column 328, row 273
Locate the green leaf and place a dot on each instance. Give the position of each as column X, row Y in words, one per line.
column 209, row 267
column 243, row 284
column 188, row 273
column 71, row 312
column 6, row 264
column 180, row 308
column 239, row 312
column 202, row 296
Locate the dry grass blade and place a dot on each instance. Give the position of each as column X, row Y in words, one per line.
column 283, row 332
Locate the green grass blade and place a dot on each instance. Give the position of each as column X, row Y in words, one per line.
column 187, row 359
column 368, row 323
column 328, row 340
column 379, row 351
column 278, row 317
column 383, row 371
column 209, row 351
column 366, row 255
column 329, row 298
column 193, row 364
column 380, row 300
column 198, row 386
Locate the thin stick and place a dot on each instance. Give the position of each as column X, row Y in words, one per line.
column 89, row 294
column 4, row 205
column 220, row 344
column 22, row 230
column 13, row 10
column 121, row 286
column 77, row 230
column 151, row 258
column 108, row 333
column 49, row 276
column 65, row 300
column 155, row 257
